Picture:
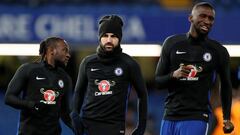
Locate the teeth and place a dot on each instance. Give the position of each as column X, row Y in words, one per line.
column 204, row 28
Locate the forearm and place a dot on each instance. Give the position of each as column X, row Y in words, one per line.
column 78, row 99
column 226, row 99
column 142, row 116
column 66, row 119
column 163, row 81
column 16, row 87
column 80, row 88
column 142, row 105
column 226, row 86
column 18, row 103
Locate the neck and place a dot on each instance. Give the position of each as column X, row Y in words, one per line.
column 50, row 61
column 193, row 32
column 196, row 36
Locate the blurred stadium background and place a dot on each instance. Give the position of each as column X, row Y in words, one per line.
column 146, row 22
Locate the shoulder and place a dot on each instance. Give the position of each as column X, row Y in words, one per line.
column 176, row 38
column 64, row 74
column 85, row 61
column 173, row 40
column 89, row 58
column 27, row 68
column 127, row 59
column 217, row 46
column 214, row 43
column 62, row 71
column 30, row 66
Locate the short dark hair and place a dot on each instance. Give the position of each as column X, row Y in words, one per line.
column 48, row 42
column 203, row 4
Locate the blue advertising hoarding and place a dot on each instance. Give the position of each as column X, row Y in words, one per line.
column 79, row 24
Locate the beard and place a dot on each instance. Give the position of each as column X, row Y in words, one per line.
column 59, row 63
column 201, row 33
column 109, row 47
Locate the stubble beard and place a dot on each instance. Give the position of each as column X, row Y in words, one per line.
column 201, row 33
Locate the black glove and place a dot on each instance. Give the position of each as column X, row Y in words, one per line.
column 76, row 122
column 228, row 126
column 140, row 129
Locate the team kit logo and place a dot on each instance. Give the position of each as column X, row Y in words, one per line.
column 192, row 75
column 207, row 57
column 104, row 87
column 118, row 71
column 194, row 69
column 60, row 83
column 50, row 95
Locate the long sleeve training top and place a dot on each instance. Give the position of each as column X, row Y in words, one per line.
column 188, row 97
column 40, row 83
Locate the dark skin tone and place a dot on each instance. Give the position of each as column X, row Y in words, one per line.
column 58, row 53
column 201, row 19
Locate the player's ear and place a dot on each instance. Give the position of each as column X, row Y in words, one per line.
column 190, row 18
column 54, row 51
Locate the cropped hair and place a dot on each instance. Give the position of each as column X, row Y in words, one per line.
column 203, row 4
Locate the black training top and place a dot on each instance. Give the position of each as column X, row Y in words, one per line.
column 103, row 87
column 188, row 98
column 40, row 83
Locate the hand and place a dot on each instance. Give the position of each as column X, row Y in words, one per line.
column 228, row 126
column 42, row 108
column 39, row 106
column 181, row 72
column 137, row 132
column 76, row 122
column 140, row 128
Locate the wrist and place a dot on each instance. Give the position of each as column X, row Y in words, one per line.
column 172, row 75
column 31, row 105
column 226, row 120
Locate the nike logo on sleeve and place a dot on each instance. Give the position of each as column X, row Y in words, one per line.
column 179, row 52
column 40, row 78
column 94, row 69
